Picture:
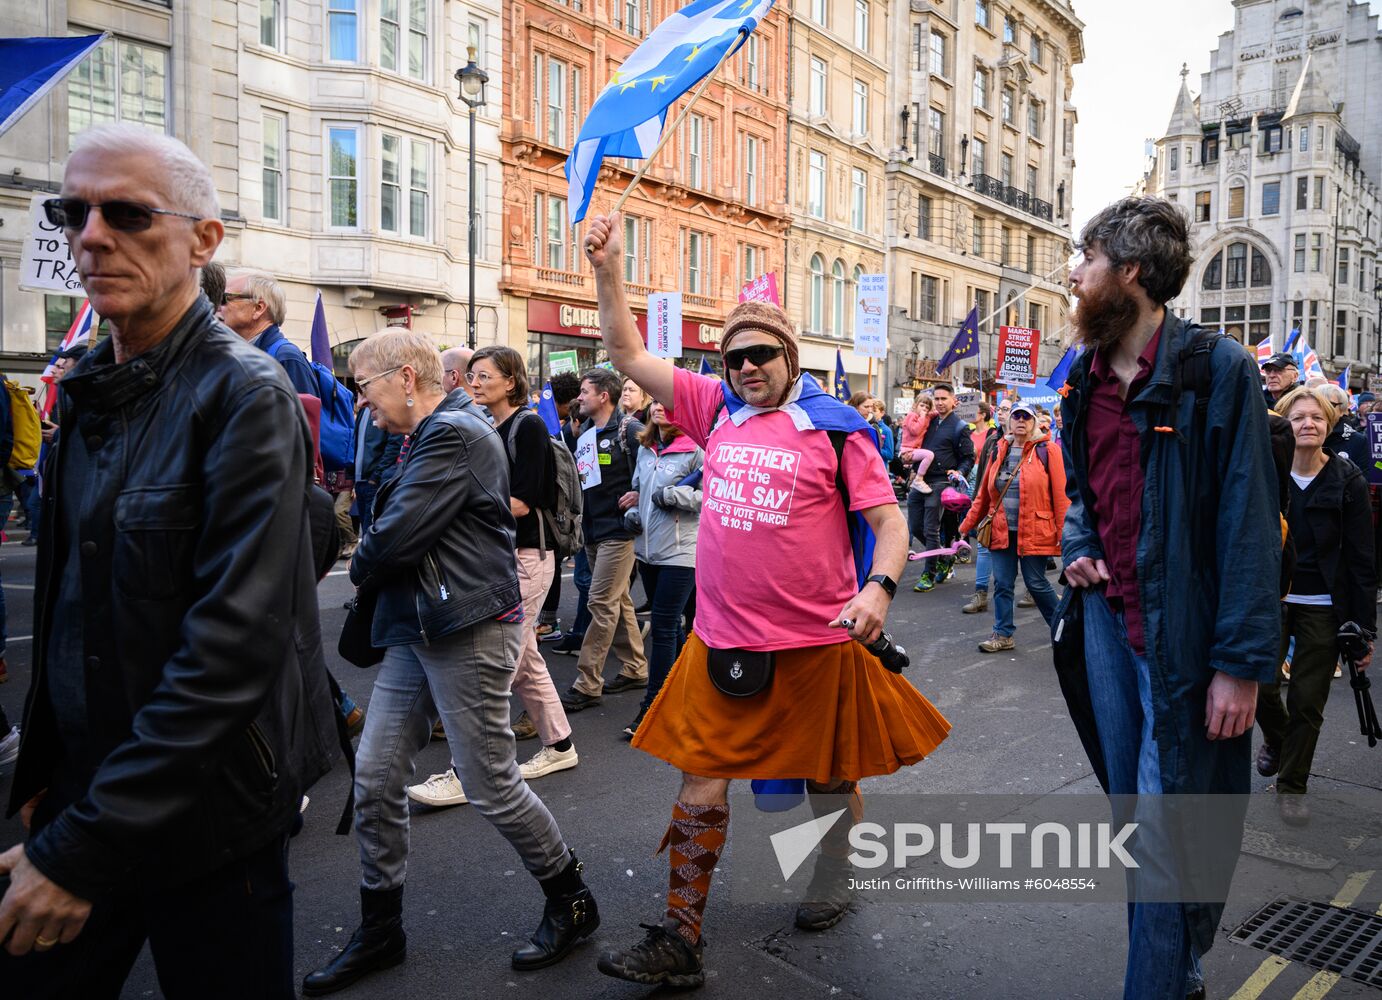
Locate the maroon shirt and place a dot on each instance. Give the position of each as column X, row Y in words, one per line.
column 1115, row 480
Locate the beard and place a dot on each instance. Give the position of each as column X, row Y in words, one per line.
column 1104, row 315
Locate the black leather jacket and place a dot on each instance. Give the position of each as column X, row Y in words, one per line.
column 208, row 704
column 440, row 548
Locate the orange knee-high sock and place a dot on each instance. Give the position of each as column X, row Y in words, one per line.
column 696, row 836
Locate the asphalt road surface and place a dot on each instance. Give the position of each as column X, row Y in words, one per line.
column 468, row 901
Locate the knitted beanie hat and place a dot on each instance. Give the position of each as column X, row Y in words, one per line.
column 766, row 318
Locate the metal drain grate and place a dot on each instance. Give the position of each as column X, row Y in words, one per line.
column 1343, row 941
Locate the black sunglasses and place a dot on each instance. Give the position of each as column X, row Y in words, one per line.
column 125, row 216
column 758, row 354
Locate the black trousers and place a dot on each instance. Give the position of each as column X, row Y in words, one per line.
column 225, row 935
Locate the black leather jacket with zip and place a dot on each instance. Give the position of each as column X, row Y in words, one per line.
column 440, row 550
column 207, row 704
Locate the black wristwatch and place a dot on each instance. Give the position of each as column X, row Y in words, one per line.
column 886, row 582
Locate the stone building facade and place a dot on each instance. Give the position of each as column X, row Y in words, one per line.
column 979, row 178
column 335, row 135
column 1277, row 163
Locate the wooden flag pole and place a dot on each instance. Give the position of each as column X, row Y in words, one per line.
column 667, row 132
column 870, row 377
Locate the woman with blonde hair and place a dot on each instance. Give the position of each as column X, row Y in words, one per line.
column 1334, row 581
column 438, row 563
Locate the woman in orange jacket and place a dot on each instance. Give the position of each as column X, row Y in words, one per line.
column 1024, row 489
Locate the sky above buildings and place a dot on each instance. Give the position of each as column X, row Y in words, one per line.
column 1126, row 87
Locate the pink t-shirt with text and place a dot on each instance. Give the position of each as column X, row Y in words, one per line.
column 773, row 559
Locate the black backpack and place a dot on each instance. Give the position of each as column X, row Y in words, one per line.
column 1194, row 373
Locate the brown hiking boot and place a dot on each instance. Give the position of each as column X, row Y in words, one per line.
column 997, row 644
column 978, row 603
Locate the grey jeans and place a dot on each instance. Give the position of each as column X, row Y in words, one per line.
column 464, row 679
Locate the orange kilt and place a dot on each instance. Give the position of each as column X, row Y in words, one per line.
column 831, row 713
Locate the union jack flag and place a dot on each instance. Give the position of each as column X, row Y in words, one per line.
column 78, row 333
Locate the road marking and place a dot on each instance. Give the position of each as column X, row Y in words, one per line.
column 1319, row 984
column 1261, row 979
column 338, row 572
column 20, row 638
column 20, row 586
column 1351, row 889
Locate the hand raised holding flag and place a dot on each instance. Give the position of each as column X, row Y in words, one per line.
column 603, row 245
column 604, row 241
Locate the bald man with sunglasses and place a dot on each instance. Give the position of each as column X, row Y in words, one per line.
column 769, row 685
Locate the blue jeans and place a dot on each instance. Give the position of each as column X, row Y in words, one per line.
column 364, row 504
column 924, row 512
column 464, row 679
column 669, row 588
column 1004, row 563
column 581, row 578
column 981, row 567
column 1161, row 962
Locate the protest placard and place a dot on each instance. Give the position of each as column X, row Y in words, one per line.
column 664, row 324
column 1017, row 355
column 46, row 263
column 761, row 289
column 563, row 361
column 871, row 317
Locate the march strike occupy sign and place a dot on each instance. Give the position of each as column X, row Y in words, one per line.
column 1017, row 355
column 46, row 263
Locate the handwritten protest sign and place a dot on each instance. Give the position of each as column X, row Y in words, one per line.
column 588, row 459
column 664, row 324
column 46, row 264
column 871, row 317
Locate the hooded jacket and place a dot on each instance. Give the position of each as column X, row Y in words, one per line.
column 1041, row 499
column 669, row 530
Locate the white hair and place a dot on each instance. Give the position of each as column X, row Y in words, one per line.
column 185, row 180
column 264, row 288
column 1336, row 395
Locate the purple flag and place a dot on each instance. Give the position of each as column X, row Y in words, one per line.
column 321, row 337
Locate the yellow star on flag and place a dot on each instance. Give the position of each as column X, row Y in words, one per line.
column 614, row 79
column 694, row 49
column 657, row 80
column 631, row 83
column 746, row 5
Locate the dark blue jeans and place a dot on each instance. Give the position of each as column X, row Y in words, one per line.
column 1161, row 963
column 1003, row 564
column 669, row 588
column 225, row 936
column 364, row 504
column 581, row 577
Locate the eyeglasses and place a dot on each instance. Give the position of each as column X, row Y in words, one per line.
column 484, row 378
column 758, row 355
column 124, row 216
column 364, row 383
column 239, row 296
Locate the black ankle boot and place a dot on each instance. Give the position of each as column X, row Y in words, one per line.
column 378, row 943
column 569, row 916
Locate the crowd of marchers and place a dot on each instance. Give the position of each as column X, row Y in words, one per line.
column 200, row 476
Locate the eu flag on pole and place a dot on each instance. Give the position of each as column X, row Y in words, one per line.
column 842, row 392
column 1062, row 370
column 1291, row 339
column 706, row 368
column 965, row 344
column 627, row 117
column 30, row 67
column 321, row 337
column 547, row 410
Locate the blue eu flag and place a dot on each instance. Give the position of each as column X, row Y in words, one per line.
column 965, row 344
column 1062, row 370
column 842, row 392
column 547, row 410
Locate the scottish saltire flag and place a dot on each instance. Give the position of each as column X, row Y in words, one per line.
column 842, row 392
column 965, row 344
column 627, row 117
column 321, row 337
column 1062, row 370
column 547, row 410
column 30, row 67
column 1343, row 378
column 78, row 333
column 706, row 369
column 1291, row 339
column 1264, row 350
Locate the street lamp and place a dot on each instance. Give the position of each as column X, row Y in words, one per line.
column 472, row 80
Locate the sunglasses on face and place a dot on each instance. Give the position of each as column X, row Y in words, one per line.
column 758, row 355
column 124, row 216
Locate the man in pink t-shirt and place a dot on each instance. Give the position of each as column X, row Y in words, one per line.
column 769, row 685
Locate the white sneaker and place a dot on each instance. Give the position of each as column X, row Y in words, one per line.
column 439, row 790
column 9, row 747
column 548, row 760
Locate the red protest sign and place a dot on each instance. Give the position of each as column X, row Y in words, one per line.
column 761, row 289
column 1017, row 355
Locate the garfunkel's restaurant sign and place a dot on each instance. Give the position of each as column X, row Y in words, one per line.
column 582, row 321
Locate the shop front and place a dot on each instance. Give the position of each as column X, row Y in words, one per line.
column 566, row 337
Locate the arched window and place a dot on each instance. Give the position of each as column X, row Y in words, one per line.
column 1237, row 272
column 837, row 292
column 817, row 294
column 1213, row 279
column 1261, row 274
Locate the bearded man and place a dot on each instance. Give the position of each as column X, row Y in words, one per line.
column 1172, row 549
